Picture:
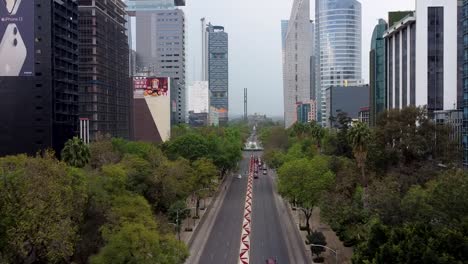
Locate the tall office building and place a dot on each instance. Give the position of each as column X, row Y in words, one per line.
column 217, row 52
column 38, row 76
column 297, row 60
column 377, row 72
column 338, row 47
column 160, row 47
column 401, row 49
column 284, row 33
column 104, row 81
column 464, row 30
column 437, row 54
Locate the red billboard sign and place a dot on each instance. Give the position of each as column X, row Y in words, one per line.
column 151, row 86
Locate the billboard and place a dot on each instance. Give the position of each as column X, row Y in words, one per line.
column 150, row 86
column 17, row 37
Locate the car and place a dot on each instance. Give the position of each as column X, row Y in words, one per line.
column 239, row 176
column 271, row 261
column 265, row 172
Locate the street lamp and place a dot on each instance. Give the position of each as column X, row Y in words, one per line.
column 334, row 251
column 177, row 224
column 203, row 189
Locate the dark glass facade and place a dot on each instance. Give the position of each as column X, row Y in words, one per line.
column 218, row 71
column 41, row 111
column 104, row 81
column 377, row 72
column 435, row 58
column 465, row 83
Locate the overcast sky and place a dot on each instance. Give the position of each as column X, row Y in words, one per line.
column 254, row 29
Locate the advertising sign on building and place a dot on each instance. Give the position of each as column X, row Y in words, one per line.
column 150, row 86
column 17, row 37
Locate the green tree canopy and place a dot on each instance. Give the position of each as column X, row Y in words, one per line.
column 76, row 153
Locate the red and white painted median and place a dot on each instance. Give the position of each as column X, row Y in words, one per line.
column 244, row 253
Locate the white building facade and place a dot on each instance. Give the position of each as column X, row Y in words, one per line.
column 437, row 54
column 199, row 97
column 297, row 60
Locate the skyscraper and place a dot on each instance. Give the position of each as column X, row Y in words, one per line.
column 160, row 47
column 401, row 49
column 217, row 41
column 465, row 83
column 39, row 83
column 338, row 46
column 297, row 60
column 377, row 72
column 437, row 54
column 104, row 81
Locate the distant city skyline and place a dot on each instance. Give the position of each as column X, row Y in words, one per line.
column 255, row 45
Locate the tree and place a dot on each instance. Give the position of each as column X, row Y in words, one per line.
column 317, row 133
column 190, row 146
column 103, row 152
column 131, row 235
column 317, row 238
column 299, row 130
column 76, row 153
column 41, row 206
column 204, row 177
column 303, row 181
column 359, row 137
column 177, row 213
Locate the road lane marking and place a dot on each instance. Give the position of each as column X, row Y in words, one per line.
column 244, row 252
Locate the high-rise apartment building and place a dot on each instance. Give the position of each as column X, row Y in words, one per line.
column 104, row 81
column 338, row 39
column 377, row 72
column 437, row 54
column 401, row 47
column 160, row 47
column 297, row 60
column 464, row 30
column 39, row 77
column 217, row 52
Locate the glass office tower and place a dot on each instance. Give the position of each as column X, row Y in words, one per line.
column 377, row 71
column 338, row 47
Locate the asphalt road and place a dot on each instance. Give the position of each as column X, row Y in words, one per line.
column 274, row 234
column 267, row 239
column 223, row 243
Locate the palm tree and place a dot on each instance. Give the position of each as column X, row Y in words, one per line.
column 318, row 133
column 76, row 153
column 359, row 136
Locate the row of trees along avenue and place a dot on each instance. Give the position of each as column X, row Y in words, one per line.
column 114, row 201
column 394, row 192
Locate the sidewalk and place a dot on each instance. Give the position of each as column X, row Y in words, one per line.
column 344, row 253
column 195, row 242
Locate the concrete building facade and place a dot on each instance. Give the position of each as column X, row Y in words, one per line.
column 349, row 100
column 464, row 30
column 199, row 97
column 40, row 110
column 160, row 47
column 400, row 44
column 297, row 60
column 437, row 54
column 104, row 80
column 338, row 38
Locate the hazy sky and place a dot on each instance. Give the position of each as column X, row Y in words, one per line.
column 254, row 29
